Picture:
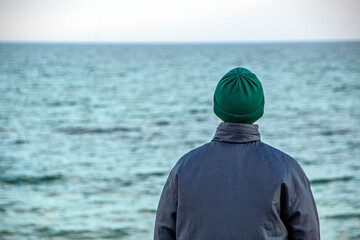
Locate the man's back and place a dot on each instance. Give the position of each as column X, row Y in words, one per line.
column 237, row 187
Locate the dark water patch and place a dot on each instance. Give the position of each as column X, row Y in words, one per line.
column 26, row 210
column 7, row 159
column 192, row 143
column 104, row 233
column 8, row 204
column 344, row 216
column 61, row 103
column 156, row 134
column 196, row 111
column 2, row 209
column 335, row 132
column 20, row 141
column 201, row 119
column 121, row 74
column 307, row 162
column 151, row 192
column 100, row 190
column 30, row 179
column 109, row 181
column 82, row 130
column 114, row 233
column 329, row 180
column 35, row 209
column 52, row 194
column 144, row 176
column 6, row 233
column 68, row 234
column 162, row 123
column 146, row 210
column 353, row 144
column 103, row 202
column 100, row 106
column 310, row 161
column 126, row 183
column 117, row 181
column 347, row 87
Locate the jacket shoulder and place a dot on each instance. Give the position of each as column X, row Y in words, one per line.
column 289, row 164
column 276, row 151
column 187, row 157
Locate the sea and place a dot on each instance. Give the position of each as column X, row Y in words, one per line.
column 90, row 132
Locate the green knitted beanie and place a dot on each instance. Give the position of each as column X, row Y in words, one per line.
column 239, row 97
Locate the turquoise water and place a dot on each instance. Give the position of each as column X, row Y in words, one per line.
column 89, row 133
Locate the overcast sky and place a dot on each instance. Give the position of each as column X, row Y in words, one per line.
column 178, row 21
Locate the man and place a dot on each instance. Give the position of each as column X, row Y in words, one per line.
column 237, row 187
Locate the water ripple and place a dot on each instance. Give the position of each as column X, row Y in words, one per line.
column 329, row 180
column 30, row 179
column 96, row 130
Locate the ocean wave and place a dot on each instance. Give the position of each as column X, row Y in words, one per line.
column 61, row 103
column 112, row 233
column 146, row 175
column 335, row 132
column 30, row 179
column 162, row 123
column 20, row 141
column 344, row 216
column 83, row 130
column 147, row 210
column 328, row 180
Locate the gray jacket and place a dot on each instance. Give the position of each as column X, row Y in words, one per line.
column 236, row 187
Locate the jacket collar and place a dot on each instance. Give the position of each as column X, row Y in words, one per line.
column 236, row 132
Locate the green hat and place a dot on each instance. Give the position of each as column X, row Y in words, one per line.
column 239, row 97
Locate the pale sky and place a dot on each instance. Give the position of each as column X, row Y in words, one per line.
column 179, row 21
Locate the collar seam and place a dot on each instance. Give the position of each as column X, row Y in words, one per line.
column 236, row 142
column 235, row 132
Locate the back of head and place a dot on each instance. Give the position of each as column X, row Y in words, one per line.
column 239, row 97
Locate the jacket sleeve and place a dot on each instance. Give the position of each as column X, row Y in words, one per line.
column 165, row 223
column 300, row 214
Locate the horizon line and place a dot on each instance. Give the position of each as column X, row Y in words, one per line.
column 181, row 42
